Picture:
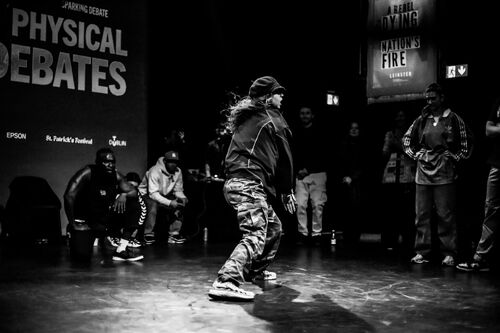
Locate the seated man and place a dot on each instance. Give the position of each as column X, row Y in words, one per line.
column 101, row 197
column 162, row 187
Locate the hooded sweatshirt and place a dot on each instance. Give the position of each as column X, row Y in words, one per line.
column 260, row 150
column 158, row 183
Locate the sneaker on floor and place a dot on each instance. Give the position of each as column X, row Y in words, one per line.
column 176, row 239
column 265, row 276
column 127, row 255
column 113, row 241
column 229, row 291
column 134, row 243
column 149, row 238
column 418, row 259
column 473, row 266
column 448, row 261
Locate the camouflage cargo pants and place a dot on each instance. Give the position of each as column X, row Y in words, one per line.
column 261, row 230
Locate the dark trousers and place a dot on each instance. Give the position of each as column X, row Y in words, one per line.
column 111, row 223
column 174, row 217
column 352, row 223
column 108, row 223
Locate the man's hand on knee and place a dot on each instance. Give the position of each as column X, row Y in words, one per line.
column 120, row 203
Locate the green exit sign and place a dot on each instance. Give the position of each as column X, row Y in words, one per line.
column 457, row 71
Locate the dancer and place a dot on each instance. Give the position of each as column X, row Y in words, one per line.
column 259, row 170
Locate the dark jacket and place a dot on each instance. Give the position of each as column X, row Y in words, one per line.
column 260, row 150
column 309, row 149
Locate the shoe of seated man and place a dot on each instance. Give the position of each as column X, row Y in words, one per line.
column 265, row 276
column 127, row 255
column 229, row 291
column 176, row 239
column 134, row 243
column 448, row 261
column 474, row 266
column 114, row 241
column 418, row 259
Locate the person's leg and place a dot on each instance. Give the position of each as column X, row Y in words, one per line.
column 139, row 234
column 318, row 201
column 302, row 196
column 131, row 218
column 152, row 211
column 273, row 236
column 485, row 245
column 423, row 209
column 445, row 201
column 128, row 222
column 249, row 200
column 176, row 216
column 491, row 216
column 353, row 216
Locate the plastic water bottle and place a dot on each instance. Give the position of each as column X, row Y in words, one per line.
column 205, row 234
column 333, row 240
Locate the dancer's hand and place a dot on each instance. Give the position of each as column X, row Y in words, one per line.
column 289, row 202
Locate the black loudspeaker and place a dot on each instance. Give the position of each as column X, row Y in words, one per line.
column 32, row 212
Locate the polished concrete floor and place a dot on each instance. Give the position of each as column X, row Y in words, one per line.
column 319, row 289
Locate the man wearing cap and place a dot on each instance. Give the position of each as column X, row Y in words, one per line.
column 163, row 188
column 259, row 172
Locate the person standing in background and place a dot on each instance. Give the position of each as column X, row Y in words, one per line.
column 311, row 165
column 399, row 188
column 483, row 254
column 438, row 139
column 352, row 173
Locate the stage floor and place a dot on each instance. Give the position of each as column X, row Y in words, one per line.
column 319, row 289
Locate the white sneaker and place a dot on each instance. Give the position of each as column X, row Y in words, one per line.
column 134, row 243
column 448, row 261
column 114, row 241
column 265, row 276
column 229, row 291
column 419, row 259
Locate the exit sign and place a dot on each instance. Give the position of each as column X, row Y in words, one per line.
column 457, row 71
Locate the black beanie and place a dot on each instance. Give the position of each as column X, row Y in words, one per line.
column 264, row 86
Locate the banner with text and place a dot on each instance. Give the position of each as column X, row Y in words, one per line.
column 73, row 80
column 402, row 53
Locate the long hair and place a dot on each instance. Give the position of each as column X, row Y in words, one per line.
column 240, row 111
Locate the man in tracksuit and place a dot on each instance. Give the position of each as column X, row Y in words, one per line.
column 259, row 170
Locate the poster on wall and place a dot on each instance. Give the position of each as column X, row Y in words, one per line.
column 402, row 52
column 72, row 76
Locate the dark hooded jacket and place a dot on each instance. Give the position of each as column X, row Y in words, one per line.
column 260, row 150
